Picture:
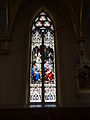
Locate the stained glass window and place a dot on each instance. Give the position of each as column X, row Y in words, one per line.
column 42, row 68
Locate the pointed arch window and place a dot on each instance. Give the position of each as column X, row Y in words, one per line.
column 42, row 67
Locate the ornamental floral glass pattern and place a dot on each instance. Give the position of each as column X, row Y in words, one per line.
column 42, row 68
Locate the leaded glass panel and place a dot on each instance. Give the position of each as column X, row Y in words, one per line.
column 42, row 18
column 36, row 70
column 49, row 68
column 42, row 68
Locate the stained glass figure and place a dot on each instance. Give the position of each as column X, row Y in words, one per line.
column 36, row 76
column 42, row 68
column 49, row 68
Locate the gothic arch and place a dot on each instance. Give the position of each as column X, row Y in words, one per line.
column 56, row 55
